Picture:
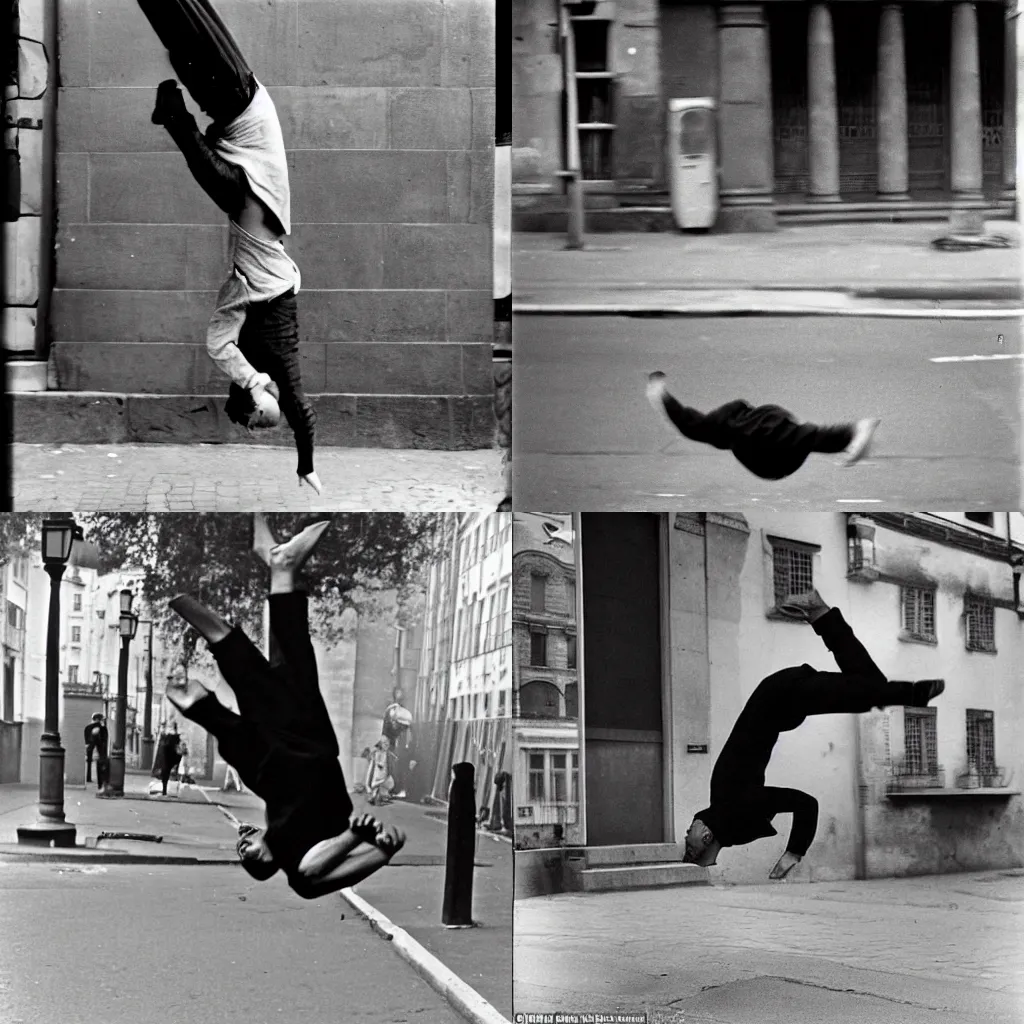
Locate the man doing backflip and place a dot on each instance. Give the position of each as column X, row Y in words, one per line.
column 253, row 336
column 742, row 806
column 766, row 439
column 282, row 742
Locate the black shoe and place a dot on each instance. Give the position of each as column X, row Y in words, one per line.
column 925, row 690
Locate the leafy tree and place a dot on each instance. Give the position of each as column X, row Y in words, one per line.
column 19, row 534
column 208, row 555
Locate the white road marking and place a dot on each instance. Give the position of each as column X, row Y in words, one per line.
column 859, row 501
column 974, row 358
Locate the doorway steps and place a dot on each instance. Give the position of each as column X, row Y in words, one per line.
column 640, row 866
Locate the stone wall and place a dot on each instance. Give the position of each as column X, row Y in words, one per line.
column 387, row 110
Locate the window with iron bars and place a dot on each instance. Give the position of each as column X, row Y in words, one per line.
column 920, row 744
column 980, row 616
column 918, row 612
column 981, row 740
column 792, row 569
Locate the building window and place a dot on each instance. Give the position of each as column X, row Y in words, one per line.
column 594, row 88
column 502, row 704
column 559, row 778
column 76, row 634
column 981, row 741
column 572, row 700
column 570, row 599
column 15, row 616
column 538, row 649
column 574, row 793
column 922, row 756
column 918, row 613
column 980, row 616
column 76, row 603
column 792, row 568
column 539, row 699
column 536, row 771
column 984, row 518
column 538, row 593
column 72, row 673
column 570, row 652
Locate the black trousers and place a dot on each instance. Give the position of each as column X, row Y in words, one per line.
column 203, row 54
column 279, row 705
column 765, row 439
column 269, row 339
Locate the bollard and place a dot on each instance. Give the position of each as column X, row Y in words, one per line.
column 457, row 909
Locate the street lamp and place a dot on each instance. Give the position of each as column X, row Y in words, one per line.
column 127, row 624
column 147, row 721
column 60, row 531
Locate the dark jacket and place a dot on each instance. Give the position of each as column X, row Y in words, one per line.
column 96, row 739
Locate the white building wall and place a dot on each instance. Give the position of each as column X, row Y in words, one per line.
column 744, row 646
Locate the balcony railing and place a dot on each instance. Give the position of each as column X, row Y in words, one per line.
column 548, row 814
column 905, row 779
column 983, row 777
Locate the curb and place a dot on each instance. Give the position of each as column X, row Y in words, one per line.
column 752, row 309
column 14, row 854
column 465, row 999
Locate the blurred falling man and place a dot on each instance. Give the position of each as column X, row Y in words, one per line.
column 742, row 806
column 282, row 742
column 240, row 163
column 766, row 439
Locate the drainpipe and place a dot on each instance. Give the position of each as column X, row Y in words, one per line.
column 860, row 870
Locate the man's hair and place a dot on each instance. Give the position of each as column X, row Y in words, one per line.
column 261, row 870
column 241, row 405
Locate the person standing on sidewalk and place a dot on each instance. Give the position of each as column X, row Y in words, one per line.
column 742, row 806
column 765, row 439
column 282, row 741
column 96, row 739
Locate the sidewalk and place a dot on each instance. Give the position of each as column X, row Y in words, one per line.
column 865, row 263
column 195, row 832
column 891, row 951
column 228, row 478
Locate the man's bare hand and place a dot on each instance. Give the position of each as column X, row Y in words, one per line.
column 366, row 828
column 786, row 863
column 390, row 840
column 170, row 103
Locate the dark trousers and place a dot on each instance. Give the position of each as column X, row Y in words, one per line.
column 279, row 704
column 765, row 439
column 102, row 772
column 270, row 341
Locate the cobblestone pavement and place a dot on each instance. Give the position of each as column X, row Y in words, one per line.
column 949, row 944
column 225, row 478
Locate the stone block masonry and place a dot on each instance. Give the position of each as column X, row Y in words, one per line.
column 387, row 109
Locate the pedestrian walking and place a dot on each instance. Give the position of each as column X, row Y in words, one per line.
column 742, row 806
column 168, row 754
column 766, row 439
column 96, row 739
column 379, row 780
column 240, row 163
column 282, row 741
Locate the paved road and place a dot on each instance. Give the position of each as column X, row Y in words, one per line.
column 586, row 438
column 930, row 950
column 228, row 478
column 205, row 945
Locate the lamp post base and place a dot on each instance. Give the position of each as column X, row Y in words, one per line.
column 47, row 833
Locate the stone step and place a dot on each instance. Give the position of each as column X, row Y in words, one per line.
column 634, row 853
column 26, row 375
column 641, row 876
column 439, row 422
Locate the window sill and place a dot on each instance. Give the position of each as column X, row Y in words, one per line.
column 981, row 650
column 932, row 794
column 917, row 638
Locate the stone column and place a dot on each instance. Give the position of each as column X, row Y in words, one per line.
column 893, row 146
column 1010, row 103
column 965, row 106
column 822, row 108
column 746, row 155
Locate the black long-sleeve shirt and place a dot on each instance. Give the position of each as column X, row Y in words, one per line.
column 742, row 806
